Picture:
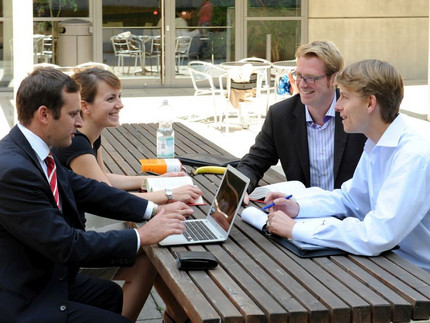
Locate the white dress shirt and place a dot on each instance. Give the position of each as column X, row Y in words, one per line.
column 386, row 203
column 321, row 148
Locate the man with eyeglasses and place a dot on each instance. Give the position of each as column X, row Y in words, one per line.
column 304, row 132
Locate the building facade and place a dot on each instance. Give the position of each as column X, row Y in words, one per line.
column 145, row 42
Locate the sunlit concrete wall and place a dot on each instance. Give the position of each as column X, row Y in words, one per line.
column 393, row 30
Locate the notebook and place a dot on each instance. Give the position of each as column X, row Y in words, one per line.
column 220, row 218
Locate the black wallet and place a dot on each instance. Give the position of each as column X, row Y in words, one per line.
column 195, row 260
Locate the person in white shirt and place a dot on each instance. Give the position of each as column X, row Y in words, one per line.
column 386, row 203
column 181, row 24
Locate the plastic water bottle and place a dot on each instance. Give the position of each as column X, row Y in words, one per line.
column 165, row 132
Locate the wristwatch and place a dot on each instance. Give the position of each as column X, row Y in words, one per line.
column 169, row 194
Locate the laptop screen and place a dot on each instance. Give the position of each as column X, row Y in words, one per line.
column 228, row 198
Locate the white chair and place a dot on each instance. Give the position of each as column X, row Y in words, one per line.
column 267, row 69
column 126, row 47
column 47, row 49
column 204, row 76
column 153, row 49
column 245, row 89
column 182, row 50
column 265, row 73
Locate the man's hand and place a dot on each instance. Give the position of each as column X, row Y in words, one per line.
column 289, row 207
column 187, row 193
column 176, row 207
column 281, row 224
column 161, row 226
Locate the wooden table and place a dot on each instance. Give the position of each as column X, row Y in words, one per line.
column 257, row 280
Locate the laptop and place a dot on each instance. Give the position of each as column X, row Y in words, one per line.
column 220, row 218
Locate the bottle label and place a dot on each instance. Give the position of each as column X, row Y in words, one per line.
column 165, row 147
column 161, row 166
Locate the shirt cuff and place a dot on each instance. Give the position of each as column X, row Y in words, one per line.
column 300, row 231
column 148, row 211
column 138, row 240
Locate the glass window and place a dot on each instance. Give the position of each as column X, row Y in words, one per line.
column 285, row 37
column 60, row 8
column 274, row 21
column 274, row 8
column 208, row 22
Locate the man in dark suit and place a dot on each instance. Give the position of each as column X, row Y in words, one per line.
column 304, row 132
column 42, row 244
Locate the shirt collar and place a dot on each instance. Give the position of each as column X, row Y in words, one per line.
column 38, row 145
column 390, row 137
column 331, row 112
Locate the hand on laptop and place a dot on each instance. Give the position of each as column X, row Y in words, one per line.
column 176, row 207
column 187, row 193
column 160, row 226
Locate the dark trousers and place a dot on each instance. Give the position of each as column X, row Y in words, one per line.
column 94, row 300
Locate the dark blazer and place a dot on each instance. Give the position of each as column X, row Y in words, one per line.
column 42, row 247
column 284, row 137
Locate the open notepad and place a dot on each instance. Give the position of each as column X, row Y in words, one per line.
column 159, row 183
column 257, row 218
column 288, row 187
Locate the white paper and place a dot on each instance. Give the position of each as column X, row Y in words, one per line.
column 254, row 217
column 290, row 187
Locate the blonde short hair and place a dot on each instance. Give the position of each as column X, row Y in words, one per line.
column 324, row 50
column 378, row 78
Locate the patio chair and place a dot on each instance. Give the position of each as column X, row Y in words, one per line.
column 208, row 79
column 153, row 49
column 267, row 70
column 47, row 49
column 265, row 74
column 244, row 87
column 126, row 46
column 182, row 50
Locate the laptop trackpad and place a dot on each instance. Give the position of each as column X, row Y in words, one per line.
column 173, row 239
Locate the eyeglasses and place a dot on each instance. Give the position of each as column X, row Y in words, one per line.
column 308, row 79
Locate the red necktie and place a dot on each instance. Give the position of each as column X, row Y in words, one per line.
column 52, row 177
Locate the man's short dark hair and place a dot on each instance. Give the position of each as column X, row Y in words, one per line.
column 43, row 86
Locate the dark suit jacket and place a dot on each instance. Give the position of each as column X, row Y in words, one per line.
column 42, row 247
column 284, row 137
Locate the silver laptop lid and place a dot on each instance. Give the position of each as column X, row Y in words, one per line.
column 227, row 200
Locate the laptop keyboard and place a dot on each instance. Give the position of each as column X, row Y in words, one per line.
column 197, row 231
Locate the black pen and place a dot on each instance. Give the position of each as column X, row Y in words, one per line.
column 273, row 204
